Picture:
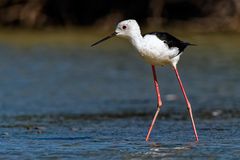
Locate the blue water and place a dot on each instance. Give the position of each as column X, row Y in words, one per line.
column 84, row 103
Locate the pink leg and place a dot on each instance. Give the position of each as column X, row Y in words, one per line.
column 187, row 101
column 159, row 102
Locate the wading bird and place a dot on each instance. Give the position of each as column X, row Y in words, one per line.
column 157, row 49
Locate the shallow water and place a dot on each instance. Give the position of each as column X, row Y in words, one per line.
column 81, row 103
column 117, row 138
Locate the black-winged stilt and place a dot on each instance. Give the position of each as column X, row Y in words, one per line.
column 156, row 48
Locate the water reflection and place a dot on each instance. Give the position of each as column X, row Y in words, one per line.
column 168, row 150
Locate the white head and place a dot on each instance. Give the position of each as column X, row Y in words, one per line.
column 126, row 28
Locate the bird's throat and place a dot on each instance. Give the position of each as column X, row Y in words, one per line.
column 137, row 41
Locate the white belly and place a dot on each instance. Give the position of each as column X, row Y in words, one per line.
column 154, row 51
column 156, row 60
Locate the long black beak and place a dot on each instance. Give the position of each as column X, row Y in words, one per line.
column 110, row 36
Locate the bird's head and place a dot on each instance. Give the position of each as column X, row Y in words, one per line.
column 126, row 28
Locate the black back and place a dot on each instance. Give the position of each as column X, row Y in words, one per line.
column 170, row 40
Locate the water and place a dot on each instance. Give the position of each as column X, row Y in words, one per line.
column 81, row 103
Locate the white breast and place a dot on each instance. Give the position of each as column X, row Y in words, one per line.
column 155, row 51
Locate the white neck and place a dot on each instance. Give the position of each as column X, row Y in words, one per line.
column 137, row 40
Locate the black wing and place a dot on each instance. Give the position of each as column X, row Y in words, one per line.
column 171, row 41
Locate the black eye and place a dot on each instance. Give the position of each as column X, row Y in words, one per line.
column 124, row 27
